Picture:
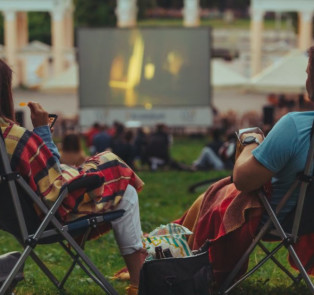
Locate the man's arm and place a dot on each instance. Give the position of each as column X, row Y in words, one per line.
column 248, row 173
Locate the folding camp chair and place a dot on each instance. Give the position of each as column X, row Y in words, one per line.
column 300, row 221
column 18, row 217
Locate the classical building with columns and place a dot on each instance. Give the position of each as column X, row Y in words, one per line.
column 305, row 10
column 61, row 52
column 16, row 32
column 126, row 14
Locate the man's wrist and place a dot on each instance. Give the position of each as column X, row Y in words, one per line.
column 250, row 140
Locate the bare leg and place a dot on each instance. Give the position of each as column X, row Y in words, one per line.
column 128, row 234
column 134, row 263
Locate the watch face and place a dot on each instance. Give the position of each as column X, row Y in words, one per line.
column 249, row 139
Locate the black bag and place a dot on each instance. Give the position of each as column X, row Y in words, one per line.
column 190, row 275
column 7, row 262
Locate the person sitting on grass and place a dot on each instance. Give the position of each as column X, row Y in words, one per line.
column 229, row 213
column 35, row 156
column 71, row 152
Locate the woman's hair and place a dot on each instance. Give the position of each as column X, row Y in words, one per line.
column 6, row 98
column 71, row 143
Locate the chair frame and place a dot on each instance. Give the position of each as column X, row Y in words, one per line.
column 286, row 239
column 60, row 232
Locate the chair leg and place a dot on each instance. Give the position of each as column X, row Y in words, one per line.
column 285, row 270
column 45, row 269
column 302, row 270
column 75, row 258
column 98, row 276
column 307, row 266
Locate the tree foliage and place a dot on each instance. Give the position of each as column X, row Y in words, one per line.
column 39, row 26
column 95, row 13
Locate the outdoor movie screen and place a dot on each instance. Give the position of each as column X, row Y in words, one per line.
column 144, row 67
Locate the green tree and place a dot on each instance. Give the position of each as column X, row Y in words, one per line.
column 95, row 13
column 170, row 4
column 143, row 5
column 39, row 26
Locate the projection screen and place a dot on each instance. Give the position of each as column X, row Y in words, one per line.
column 144, row 74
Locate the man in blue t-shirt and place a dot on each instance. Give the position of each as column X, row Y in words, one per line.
column 281, row 155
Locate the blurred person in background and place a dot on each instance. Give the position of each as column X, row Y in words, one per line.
column 102, row 140
column 89, row 134
column 122, row 145
column 158, row 153
column 71, row 152
column 158, row 150
column 140, row 146
column 209, row 157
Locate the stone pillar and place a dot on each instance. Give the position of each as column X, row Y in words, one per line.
column 256, row 41
column 69, row 29
column 22, row 40
column 22, row 29
column 58, row 38
column 10, row 43
column 305, row 29
column 126, row 12
column 191, row 13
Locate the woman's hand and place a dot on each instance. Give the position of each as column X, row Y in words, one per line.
column 39, row 116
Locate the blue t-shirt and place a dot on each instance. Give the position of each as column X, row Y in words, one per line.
column 284, row 152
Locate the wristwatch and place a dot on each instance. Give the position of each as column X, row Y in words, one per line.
column 250, row 139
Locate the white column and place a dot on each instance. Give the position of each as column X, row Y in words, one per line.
column 256, row 40
column 58, row 38
column 22, row 40
column 10, row 43
column 126, row 12
column 191, row 13
column 305, row 29
column 22, row 29
column 69, row 29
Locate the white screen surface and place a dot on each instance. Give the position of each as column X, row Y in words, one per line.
column 146, row 68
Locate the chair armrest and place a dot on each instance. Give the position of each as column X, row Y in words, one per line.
column 87, row 181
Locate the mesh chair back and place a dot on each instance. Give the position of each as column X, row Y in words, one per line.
column 307, row 219
column 8, row 213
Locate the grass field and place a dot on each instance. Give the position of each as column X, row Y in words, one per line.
column 163, row 199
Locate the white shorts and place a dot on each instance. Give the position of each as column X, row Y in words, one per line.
column 127, row 229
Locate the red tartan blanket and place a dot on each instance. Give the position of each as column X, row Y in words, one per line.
column 33, row 160
column 229, row 219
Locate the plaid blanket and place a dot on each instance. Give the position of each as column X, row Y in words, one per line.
column 229, row 219
column 33, row 160
column 225, row 217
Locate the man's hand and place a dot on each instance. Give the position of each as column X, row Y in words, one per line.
column 39, row 116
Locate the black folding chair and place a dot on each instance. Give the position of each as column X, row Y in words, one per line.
column 18, row 217
column 300, row 221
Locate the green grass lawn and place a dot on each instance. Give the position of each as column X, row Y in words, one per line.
column 163, row 199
